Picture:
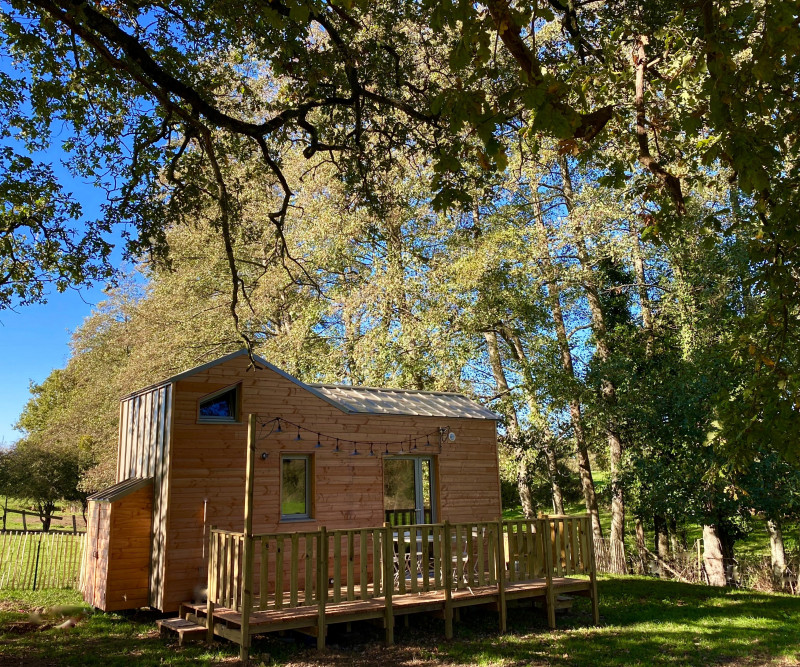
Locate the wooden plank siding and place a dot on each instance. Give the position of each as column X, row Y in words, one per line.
column 128, row 566
column 207, row 468
column 116, row 566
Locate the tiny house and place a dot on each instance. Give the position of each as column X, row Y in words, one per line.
column 336, row 456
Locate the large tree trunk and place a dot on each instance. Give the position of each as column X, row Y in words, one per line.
column 777, row 551
column 661, row 541
column 641, row 547
column 518, row 352
column 46, row 510
column 555, row 487
column 617, row 534
column 496, row 363
column 641, row 285
column 609, row 391
column 584, row 464
column 712, row 556
column 673, row 536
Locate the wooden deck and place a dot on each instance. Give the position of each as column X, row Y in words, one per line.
column 310, row 580
column 228, row 622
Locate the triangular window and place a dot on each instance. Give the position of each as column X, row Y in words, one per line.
column 222, row 406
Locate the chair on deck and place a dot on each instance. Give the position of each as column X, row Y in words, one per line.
column 422, row 556
column 459, row 554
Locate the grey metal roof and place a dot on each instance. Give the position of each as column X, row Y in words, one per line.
column 372, row 400
column 121, row 489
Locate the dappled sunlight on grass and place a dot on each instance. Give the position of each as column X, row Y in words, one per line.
column 643, row 622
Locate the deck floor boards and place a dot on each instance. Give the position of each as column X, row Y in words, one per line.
column 307, row 616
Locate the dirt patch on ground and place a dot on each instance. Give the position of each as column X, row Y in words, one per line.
column 25, row 627
column 14, row 606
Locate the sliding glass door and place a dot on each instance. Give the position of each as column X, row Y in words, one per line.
column 408, row 490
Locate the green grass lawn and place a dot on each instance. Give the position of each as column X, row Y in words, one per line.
column 643, row 622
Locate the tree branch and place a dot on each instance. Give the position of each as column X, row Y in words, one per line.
column 670, row 182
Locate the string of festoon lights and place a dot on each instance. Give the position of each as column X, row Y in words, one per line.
column 410, row 445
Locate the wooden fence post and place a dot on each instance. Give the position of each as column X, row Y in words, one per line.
column 388, row 582
column 322, row 585
column 447, row 573
column 593, row 578
column 501, row 577
column 211, row 592
column 548, row 559
column 247, row 539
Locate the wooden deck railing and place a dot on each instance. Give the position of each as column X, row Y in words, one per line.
column 324, row 567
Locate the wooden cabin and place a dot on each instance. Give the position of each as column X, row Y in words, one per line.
column 332, row 456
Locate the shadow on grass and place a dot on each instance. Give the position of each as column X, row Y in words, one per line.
column 643, row 622
column 646, row 622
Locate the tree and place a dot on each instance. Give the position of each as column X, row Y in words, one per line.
column 42, row 475
column 159, row 99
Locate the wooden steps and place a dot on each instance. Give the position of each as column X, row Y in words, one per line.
column 182, row 626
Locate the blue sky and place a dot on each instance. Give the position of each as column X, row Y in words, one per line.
column 33, row 341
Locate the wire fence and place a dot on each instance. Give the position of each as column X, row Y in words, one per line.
column 686, row 563
column 36, row 560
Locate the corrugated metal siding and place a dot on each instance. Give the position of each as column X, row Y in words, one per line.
column 121, row 489
column 144, row 440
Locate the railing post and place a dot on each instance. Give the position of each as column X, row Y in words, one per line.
column 447, row 566
column 322, row 585
column 593, row 578
column 388, row 583
column 501, row 577
column 211, row 592
column 247, row 539
column 548, row 573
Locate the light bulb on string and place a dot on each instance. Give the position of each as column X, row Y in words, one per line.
column 371, row 453
column 319, row 444
column 279, row 429
column 298, row 434
column 336, row 449
column 386, row 450
column 415, row 445
column 355, row 450
column 427, row 441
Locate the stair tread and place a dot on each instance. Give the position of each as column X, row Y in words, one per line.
column 180, row 625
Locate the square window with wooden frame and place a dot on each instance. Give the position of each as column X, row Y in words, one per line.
column 296, row 487
column 220, row 407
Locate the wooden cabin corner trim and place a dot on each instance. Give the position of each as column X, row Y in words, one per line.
column 161, row 503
